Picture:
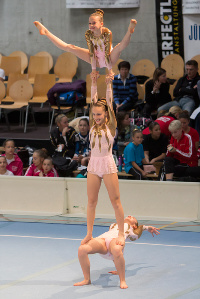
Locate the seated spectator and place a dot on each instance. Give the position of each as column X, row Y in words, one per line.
column 181, row 161
column 134, row 156
column 185, row 120
column 3, row 164
column 185, row 92
column 2, row 75
column 63, row 137
column 156, row 92
column 124, row 89
column 82, row 143
column 165, row 120
column 155, row 144
column 195, row 117
column 47, row 168
column 38, row 158
column 124, row 129
column 14, row 163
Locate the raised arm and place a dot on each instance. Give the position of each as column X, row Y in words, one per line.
column 112, row 123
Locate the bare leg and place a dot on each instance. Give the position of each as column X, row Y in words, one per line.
column 119, row 261
column 79, row 52
column 114, row 55
column 112, row 186
column 96, row 245
column 93, row 186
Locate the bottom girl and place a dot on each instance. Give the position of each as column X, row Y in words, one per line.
column 106, row 245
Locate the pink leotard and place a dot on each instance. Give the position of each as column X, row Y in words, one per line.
column 129, row 233
column 101, row 141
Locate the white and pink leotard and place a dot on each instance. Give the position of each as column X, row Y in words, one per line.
column 101, row 140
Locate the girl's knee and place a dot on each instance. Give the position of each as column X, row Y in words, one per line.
column 83, row 249
column 117, row 251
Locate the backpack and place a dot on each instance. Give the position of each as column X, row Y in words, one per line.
column 71, row 98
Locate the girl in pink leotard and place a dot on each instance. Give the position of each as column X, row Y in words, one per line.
column 101, row 164
column 99, row 40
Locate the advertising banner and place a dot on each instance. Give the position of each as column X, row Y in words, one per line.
column 191, row 36
column 169, row 23
column 102, row 3
column 191, row 6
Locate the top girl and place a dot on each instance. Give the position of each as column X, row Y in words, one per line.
column 99, row 40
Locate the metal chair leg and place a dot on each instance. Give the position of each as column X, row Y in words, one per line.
column 53, row 112
column 7, row 121
column 26, row 119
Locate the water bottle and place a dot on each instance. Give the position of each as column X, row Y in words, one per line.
column 120, row 164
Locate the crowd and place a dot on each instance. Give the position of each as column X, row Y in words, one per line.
column 170, row 138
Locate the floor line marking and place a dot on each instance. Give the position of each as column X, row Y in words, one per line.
column 167, row 225
column 59, row 266
column 186, row 291
column 70, row 239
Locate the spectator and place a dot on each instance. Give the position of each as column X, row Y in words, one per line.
column 63, row 137
column 156, row 92
column 124, row 88
column 47, row 168
column 124, row 129
column 185, row 120
column 38, row 158
column 82, row 143
column 195, row 117
column 155, row 144
column 165, row 120
column 185, row 92
column 134, row 156
column 14, row 163
column 3, row 164
column 2, row 75
column 181, row 161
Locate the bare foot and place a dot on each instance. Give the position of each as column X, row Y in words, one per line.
column 82, row 283
column 132, row 25
column 86, row 239
column 41, row 28
column 113, row 272
column 120, row 240
column 123, row 285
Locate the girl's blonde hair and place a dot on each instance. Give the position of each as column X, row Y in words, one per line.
column 101, row 103
column 175, row 125
column 98, row 13
column 59, row 117
column 42, row 153
column 175, row 109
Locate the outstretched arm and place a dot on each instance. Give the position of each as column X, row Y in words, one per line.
column 153, row 230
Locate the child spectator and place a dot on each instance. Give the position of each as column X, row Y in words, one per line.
column 82, row 143
column 165, row 120
column 184, row 118
column 134, row 156
column 47, row 168
column 3, row 164
column 38, row 158
column 155, row 144
column 181, row 161
column 14, row 163
column 124, row 129
column 63, row 137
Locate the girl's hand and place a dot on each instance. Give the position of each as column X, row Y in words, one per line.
column 144, row 174
column 41, row 174
column 156, row 86
column 65, row 130
column 171, row 149
column 152, row 161
column 153, row 230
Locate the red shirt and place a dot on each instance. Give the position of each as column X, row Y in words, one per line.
column 184, row 150
column 52, row 173
column 15, row 166
column 164, row 122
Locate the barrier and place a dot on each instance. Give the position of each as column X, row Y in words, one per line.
column 60, row 196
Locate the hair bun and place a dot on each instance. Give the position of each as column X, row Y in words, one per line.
column 99, row 11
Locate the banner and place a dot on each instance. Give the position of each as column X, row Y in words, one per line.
column 169, row 23
column 191, row 6
column 102, row 3
column 191, row 36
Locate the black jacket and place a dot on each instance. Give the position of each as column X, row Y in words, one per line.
column 160, row 98
column 182, row 88
column 69, row 145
